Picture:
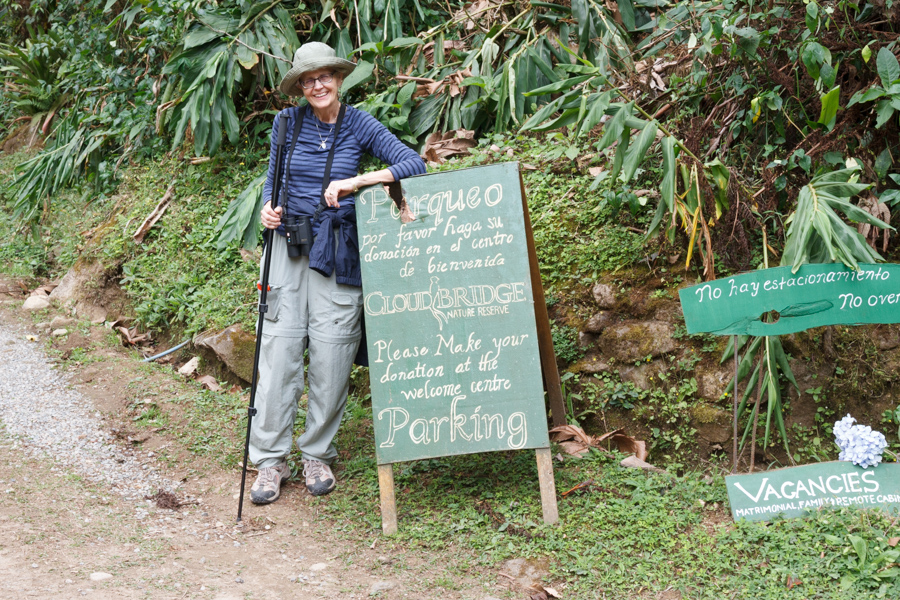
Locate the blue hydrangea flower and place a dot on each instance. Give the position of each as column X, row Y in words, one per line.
column 858, row 443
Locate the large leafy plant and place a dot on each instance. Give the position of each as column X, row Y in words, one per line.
column 816, row 234
column 226, row 53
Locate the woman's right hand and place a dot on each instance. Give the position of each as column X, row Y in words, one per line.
column 270, row 218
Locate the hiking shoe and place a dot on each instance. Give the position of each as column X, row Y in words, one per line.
column 319, row 478
column 267, row 486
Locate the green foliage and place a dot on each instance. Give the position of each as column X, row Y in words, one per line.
column 888, row 93
column 241, row 219
column 75, row 149
column 670, row 532
column 771, row 361
column 30, row 72
column 218, row 60
column 817, row 234
column 102, row 97
column 565, row 343
column 865, row 564
column 178, row 278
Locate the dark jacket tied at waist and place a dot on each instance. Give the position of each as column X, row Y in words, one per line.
column 325, row 259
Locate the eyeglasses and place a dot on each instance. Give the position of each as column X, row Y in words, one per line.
column 310, row 83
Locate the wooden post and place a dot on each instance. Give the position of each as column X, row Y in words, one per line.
column 389, row 500
column 542, row 320
column 548, row 486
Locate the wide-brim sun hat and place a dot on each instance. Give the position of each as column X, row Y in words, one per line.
column 312, row 56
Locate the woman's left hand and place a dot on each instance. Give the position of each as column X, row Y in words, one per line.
column 339, row 189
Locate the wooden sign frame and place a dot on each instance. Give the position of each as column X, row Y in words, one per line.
column 547, row 361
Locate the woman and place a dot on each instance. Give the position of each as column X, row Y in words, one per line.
column 315, row 302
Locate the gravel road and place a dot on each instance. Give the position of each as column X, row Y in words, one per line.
column 47, row 417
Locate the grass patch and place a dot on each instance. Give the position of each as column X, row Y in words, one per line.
column 632, row 533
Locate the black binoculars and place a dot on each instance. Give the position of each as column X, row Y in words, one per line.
column 298, row 230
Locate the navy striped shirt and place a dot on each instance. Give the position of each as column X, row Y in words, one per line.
column 360, row 133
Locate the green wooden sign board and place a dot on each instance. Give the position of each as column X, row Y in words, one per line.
column 454, row 363
column 795, row 491
column 816, row 295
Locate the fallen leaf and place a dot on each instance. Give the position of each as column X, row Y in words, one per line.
column 235, row 389
column 439, row 147
column 210, row 383
column 879, row 210
column 792, row 582
column 44, row 290
column 609, row 434
column 636, row 463
column 568, row 432
column 543, row 592
column 594, row 171
column 626, row 444
column 574, row 448
column 131, row 337
column 893, row 541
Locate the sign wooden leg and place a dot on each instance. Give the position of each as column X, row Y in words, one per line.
column 389, row 501
column 548, row 487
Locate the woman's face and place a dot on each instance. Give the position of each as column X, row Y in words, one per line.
column 321, row 96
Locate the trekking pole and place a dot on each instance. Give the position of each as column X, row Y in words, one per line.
column 263, row 307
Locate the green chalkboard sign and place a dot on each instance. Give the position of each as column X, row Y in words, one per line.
column 816, row 295
column 453, row 350
column 795, row 491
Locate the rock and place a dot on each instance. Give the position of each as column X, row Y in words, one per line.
column 188, row 369
column 711, row 383
column 712, row 423
column 633, row 462
column 60, row 332
column 318, row 567
column 591, row 364
column 526, row 571
column 99, row 576
column 630, row 342
column 384, row 560
column 59, row 322
column 380, row 587
column 238, row 580
column 886, row 337
column 234, row 347
column 586, row 340
column 36, row 303
column 603, row 319
column 642, row 375
column 92, row 288
column 604, row 295
column 95, row 314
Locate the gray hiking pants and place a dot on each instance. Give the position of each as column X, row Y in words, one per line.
column 305, row 310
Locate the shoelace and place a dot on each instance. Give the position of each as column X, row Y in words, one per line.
column 267, row 475
column 314, row 469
